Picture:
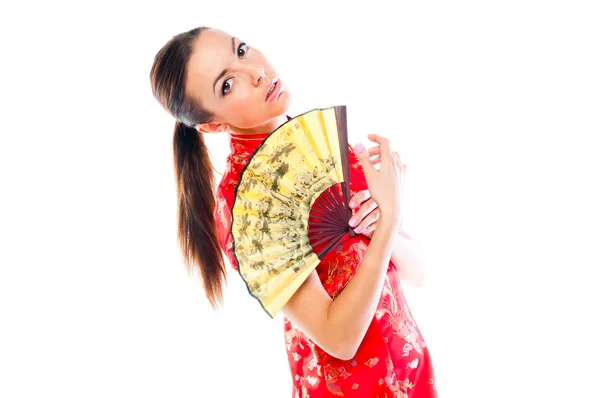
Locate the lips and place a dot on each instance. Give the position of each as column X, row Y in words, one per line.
column 272, row 88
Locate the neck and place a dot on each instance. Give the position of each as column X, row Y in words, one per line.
column 265, row 128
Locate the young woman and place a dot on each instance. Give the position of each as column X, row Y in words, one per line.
column 348, row 329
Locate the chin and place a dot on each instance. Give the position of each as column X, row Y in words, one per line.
column 268, row 113
column 282, row 106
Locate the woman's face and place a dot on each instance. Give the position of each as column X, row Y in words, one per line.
column 231, row 80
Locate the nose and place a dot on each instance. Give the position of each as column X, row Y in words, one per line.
column 257, row 73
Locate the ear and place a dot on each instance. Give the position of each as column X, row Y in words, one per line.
column 210, row 127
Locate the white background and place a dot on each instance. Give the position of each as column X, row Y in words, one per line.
column 494, row 107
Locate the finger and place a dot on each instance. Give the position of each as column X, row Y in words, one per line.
column 398, row 160
column 384, row 143
column 363, row 156
column 374, row 150
column 375, row 154
column 369, row 229
column 397, row 155
column 367, row 208
column 364, row 210
column 367, row 221
column 359, row 197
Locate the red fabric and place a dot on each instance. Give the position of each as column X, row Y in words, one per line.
column 392, row 360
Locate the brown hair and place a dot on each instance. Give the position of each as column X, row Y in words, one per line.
column 193, row 169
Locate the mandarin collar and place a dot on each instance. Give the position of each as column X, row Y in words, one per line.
column 247, row 142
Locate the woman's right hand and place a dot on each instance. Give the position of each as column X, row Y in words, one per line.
column 386, row 185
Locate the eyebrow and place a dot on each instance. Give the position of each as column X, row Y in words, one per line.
column 224, row 71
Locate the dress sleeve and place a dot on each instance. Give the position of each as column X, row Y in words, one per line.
column 222, row 216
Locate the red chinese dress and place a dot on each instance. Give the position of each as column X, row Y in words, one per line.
column 392, row 360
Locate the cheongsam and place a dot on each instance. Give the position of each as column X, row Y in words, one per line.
column 392, row 360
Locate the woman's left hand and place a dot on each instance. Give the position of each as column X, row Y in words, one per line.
column 365, row 213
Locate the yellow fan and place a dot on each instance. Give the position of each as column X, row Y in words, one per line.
column 291, row 204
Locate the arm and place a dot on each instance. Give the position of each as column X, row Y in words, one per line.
column 408, row 258
column 339, row 326
column 407, row 255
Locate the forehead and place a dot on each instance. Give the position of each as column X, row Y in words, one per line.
column 211, row 54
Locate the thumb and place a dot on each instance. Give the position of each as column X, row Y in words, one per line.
column 363, row 156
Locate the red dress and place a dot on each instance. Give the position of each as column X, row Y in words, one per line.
column 392, row 360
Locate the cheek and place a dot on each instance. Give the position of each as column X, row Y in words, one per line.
column 246, row 110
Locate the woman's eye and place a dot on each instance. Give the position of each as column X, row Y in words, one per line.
column 226, row 86
column 242, row 49
column 241, row 52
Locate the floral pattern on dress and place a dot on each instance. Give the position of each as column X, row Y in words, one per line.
column 392, row 361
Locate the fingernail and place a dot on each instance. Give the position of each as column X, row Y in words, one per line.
column 352, row 222
column 359, row 148
column 352, row 204
column 358, row 229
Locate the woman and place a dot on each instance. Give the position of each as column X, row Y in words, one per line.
column 348, row 329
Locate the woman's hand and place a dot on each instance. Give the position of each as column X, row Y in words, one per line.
column 365, row 211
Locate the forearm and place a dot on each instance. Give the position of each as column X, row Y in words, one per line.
column 408, row 258
column 351, row 313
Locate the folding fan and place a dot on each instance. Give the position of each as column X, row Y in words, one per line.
column 291, row 204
